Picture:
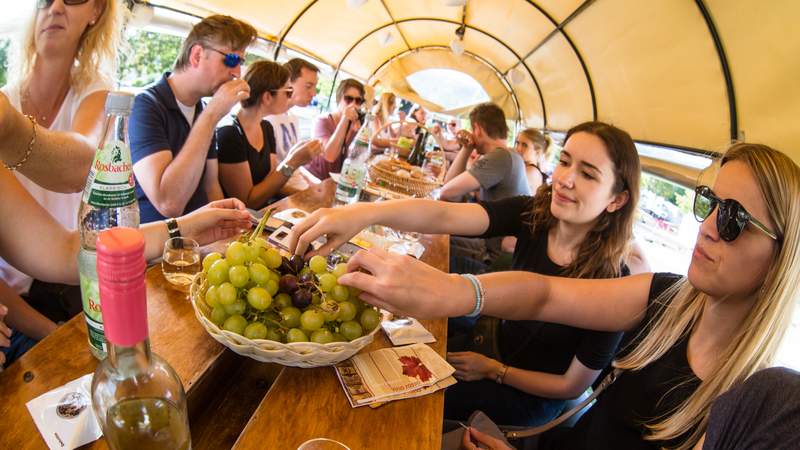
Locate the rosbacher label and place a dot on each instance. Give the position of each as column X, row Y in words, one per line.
column 111, row 182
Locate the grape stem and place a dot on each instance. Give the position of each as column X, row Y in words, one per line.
column 261, row 224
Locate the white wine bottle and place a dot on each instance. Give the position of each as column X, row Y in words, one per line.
column 138, row 398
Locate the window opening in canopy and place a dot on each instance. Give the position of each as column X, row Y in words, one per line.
column 448, row 88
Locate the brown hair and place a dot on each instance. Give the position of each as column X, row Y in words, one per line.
column 263, row 76
column 602, row 252
column 295, row 67
column 491, row 118
column 347, row 84
column 537, row 137
column 216, row 30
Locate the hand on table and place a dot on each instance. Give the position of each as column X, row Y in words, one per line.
column 471, row 366
column 473, row 438
column 406, row 286
column 5, row 333
column 219, row 219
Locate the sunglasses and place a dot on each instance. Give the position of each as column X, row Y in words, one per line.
column 44, row 4
column 232, row 60
column 350, row 99
column 289, row 91
column 732, row 218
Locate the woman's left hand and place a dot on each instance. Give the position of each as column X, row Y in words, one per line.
column 472, row 437
column 218, row 220
column 471, row 366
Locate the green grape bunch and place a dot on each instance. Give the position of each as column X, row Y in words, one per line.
column 254, row 291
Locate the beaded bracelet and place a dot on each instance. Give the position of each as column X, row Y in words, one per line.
column 479, row 294
column 30, row 147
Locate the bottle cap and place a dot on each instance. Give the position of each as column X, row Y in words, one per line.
column 120, row 276
column 120, row 103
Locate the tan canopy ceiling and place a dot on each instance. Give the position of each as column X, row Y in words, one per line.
column 682, row 73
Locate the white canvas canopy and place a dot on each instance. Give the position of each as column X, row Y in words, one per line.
column 692, row 74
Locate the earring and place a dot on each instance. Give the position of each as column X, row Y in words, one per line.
column 91, row 24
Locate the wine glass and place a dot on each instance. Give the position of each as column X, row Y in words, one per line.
column 322, row 444
column 181, row 261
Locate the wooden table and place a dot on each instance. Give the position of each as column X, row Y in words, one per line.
column 232, row 400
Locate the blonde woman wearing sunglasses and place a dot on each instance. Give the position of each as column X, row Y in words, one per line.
column 690, row 338
column 67, row 58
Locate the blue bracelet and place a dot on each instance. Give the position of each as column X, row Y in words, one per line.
column 479, row 294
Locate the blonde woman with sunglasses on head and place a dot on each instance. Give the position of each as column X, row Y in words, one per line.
column 246, row 142
column 692, row 338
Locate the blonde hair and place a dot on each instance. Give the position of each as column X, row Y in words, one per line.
column 754, row 346
column 538, row 138
column 97, row 52
column 381, row 110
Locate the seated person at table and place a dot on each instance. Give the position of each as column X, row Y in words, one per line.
column 23, row 221
column 695, row 336
column 381, row 116
column 303, row 78
column 172, row 133
column 448, row 143
column 579, row 227
column 499, row 173
column 67, row 61
column 246, row 141
column 337, row 129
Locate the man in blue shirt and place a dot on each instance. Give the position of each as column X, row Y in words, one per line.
column 172, row 132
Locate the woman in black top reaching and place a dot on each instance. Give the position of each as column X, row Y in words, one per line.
column 580, row 226
column 246, row 142
column 695, row 336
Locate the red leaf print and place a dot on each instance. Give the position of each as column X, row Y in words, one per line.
column 413, row 367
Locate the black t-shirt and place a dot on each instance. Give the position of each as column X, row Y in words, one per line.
column 617, row 419
column 234, row 147
column 530, row 344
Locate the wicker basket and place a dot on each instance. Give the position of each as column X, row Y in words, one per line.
column 418, row 187
column 296, row 354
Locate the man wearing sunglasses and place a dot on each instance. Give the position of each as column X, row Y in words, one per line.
column 172, row 131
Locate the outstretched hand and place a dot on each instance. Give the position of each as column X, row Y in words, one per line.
column 406, row 286
column 218, row 220
column 338, row 224
column 473, row 438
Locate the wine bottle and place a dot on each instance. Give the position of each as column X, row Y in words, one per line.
column 137, row 397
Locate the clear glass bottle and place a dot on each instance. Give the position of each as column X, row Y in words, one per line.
column 138, row 398
column 108, row 201
column 354, row 168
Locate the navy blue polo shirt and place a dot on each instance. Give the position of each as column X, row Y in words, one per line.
column 157, row 124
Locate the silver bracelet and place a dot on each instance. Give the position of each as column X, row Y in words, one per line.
column 479, row 294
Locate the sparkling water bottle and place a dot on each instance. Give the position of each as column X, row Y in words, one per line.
column 108, row 201
column 354, row 169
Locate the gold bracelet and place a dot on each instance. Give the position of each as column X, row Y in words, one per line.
column 501, row 375
column 30, row 147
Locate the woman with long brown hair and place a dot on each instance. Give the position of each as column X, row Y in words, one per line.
column 694, row 337
column 533, row 146
column 580, row 226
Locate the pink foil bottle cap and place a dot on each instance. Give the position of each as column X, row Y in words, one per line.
column 120, row 275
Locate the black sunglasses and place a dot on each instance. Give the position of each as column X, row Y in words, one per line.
column 731, row 217
column 232, row 60
column 288, row 90
column 350, row 99
column 44, row 4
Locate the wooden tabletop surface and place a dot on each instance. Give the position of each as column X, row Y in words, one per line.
column 299, row 405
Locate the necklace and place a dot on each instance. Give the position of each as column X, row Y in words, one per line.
column 34, row 109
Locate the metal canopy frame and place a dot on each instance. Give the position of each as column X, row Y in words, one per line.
column 475, row 56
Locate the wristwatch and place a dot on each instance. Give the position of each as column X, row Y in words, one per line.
column 172, row 228
column 285, row 169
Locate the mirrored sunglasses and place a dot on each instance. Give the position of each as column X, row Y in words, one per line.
column 232, row 60
column 732, row 218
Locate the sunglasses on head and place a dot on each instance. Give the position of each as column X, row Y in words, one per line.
column 732, row 218
column 350, row 99
column 44, row 4
column 232, row 60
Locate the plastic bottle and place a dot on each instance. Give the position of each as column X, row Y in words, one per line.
column 354, row 168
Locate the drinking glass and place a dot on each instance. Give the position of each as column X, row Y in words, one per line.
column 322, row 444
column 181, row 261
